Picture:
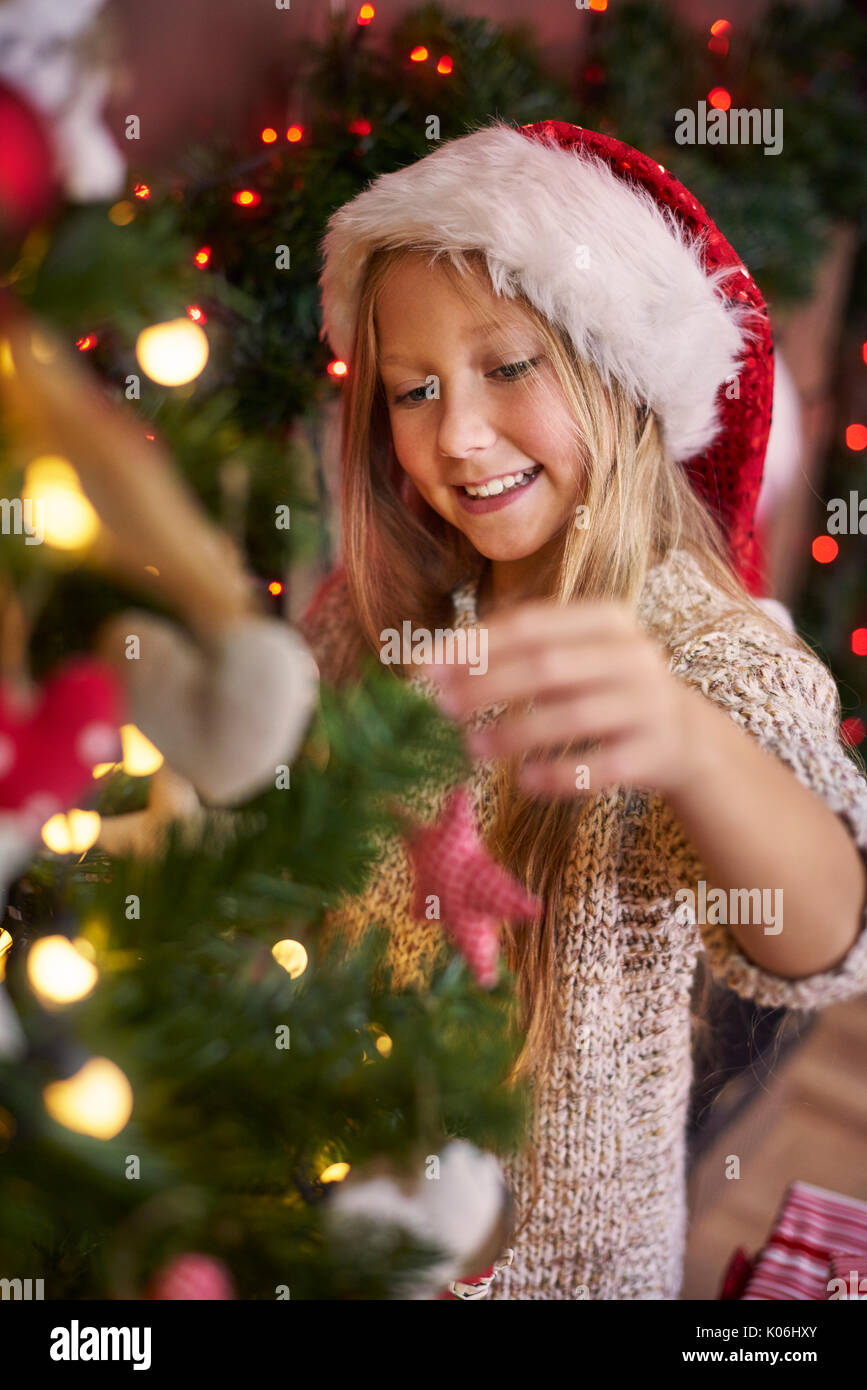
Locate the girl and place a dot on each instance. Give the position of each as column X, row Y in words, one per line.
column 554, row 423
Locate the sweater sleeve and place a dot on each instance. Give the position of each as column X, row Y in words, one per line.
column 786, row 699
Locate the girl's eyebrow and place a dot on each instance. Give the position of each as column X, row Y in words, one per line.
column 498, row 332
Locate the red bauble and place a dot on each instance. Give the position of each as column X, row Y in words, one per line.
column 29, row 185
column 193, row 1277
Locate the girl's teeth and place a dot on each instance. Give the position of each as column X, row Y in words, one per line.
column 498, row 485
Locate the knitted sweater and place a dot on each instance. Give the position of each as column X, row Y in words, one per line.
column 610, row 1114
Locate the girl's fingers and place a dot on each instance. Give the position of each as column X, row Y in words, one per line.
column 549, row 673
column 621, row 764
column 592, row 717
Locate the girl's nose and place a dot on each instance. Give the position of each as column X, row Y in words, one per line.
column 465, row 427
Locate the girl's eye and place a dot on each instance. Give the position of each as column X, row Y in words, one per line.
column 514, row 370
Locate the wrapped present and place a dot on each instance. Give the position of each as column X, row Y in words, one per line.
column 811, row 1246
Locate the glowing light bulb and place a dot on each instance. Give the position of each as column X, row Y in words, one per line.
column 172, row 353
column 71, row 832
column 140, row 757
column 97, row 1100
column 5, row 946
column 61, row 510
column 335, row 1172
column 58, row 971
column 291, row 955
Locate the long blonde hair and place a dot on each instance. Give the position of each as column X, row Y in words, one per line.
column 402, row 560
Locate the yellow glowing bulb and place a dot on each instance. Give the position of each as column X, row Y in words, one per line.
column 60, row 509
column 335, row 1172
column 384, row 1045
column 97, row 1100
column 71, row 832
column 101, row 769
column 5, row 943
column 7, row 366
column 122, row 213
column 140, row 758
column 172, row 353
column 291, row 955
column 58, row 971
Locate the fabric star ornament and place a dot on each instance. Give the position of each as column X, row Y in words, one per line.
column 471, row 892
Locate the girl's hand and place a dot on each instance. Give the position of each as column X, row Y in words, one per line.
column 593, row 673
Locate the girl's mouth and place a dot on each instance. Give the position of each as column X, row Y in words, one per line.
column 505, row 492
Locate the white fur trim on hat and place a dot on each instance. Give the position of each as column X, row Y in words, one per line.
column 644, row 310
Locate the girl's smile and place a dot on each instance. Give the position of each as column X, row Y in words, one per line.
column 497, row 492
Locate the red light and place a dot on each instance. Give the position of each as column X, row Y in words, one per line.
column 89, row 341
column 151, row 437
column 337, row 368
column 294, row 133
column 859, row 641
column 275, row 587
column 141, row 190
column 852, row 731
column 825, row 549
column 269, row 135
column 360, row 127
column 196, row 314
column 419, row 55
column 366, row 14
column 719, row 98
column 599, row 5
column 202, row 256
column 864, row 351
column 247, row 198
column 720, row 26
column 445, row 65
column 719, row 45
column 856, row 437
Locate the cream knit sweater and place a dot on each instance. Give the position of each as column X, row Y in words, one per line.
column 610, row 1116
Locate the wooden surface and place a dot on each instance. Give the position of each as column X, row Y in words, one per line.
column 811, row 1124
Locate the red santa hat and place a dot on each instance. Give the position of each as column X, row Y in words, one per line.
column 611, row 248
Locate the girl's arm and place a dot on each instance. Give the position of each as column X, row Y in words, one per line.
column 755, row 825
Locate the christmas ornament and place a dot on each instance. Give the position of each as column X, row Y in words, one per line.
column 192, row 1277
column 27, row 174
column 40, row 56
column 225, row 713
column 611, row 247
column 459, row 884
column 460, row 1203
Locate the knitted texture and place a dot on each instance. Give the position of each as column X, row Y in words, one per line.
column 610, row 1110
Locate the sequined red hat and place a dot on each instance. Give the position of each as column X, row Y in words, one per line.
column 614, row 250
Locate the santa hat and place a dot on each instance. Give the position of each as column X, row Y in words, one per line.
column 611, row 248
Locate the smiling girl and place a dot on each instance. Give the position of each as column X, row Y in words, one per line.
column 555, row 418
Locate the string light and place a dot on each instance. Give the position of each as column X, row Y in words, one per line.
column 366, row 15
column 719, row 98
column 859, row 641
column 599, row 5
column 294, row 134
column 335, row 1172
column 58, row 970
column 85, row 344
column 69, row 521
column 196, row 314
column 291, row 955
column 97, row 1100
column 142, row 191
column 825, row 549
column 202, row 256
column 269, row 135
column 71, row 832
column 172, row 353
column 122, row 213
column 247, row 198
column 140, row 757
column 275, row 587
column 363, row 127
column 5, row 947
column 852, row 731
column 445, row 65
column 856, row 437
column 337, row 368
column 419, row 54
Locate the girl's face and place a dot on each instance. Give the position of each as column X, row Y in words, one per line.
column 486, row 424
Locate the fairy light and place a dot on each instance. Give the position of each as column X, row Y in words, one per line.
column 337, row 368
column 247, row 198
column 275, row 587
column 361, row 126
column 291, row 955
column 825, row 549
column 86, row 343
column 335, row 1172
column 419, row 54
column 196, row 314
column 856, row 437
column 172, row 353
column 97, row 1100
column 599, row 5
column 71, row 832
column 268, row 135
column 142, row 191
column 140, row 757
column 294, row 134
column 719, row 98
column 122, row 213
column 366, row 15
column 852, row 731
column 445, row 65
column 52, row 485
column 58, row 971
column 859, row 641
column 5, row 947
column 202, row 256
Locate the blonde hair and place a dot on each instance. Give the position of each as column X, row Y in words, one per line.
column 402, row 560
